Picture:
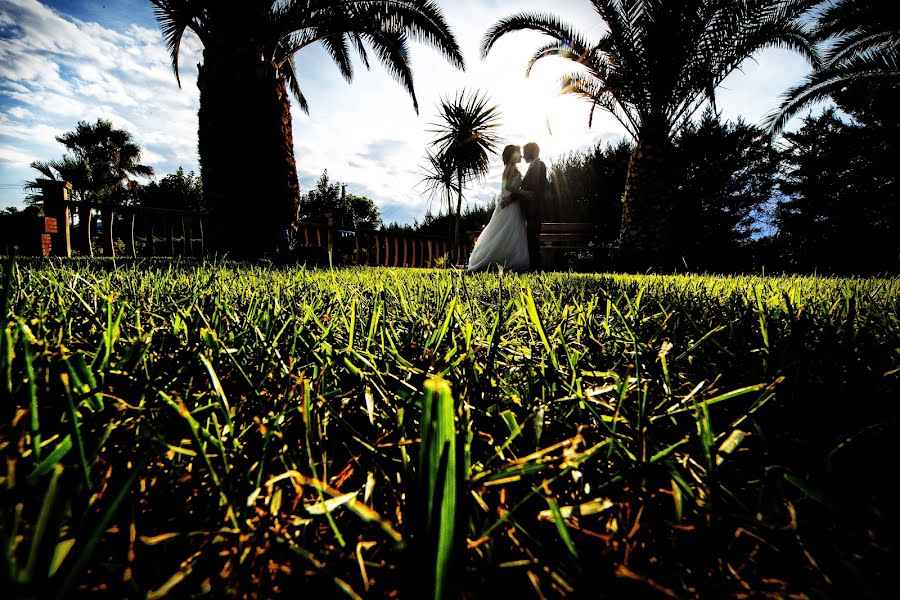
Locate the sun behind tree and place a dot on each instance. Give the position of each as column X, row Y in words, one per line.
column 654, row 67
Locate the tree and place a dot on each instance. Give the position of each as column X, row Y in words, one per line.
column 177, row 190
column 439, row 178
column 68, row 168
column 863, row 48
column 725, row 177
column 473, row 218
column 17, row 229
column 841, row 211
column 101, row 159
column 348, row 210
column 362, row 212
column 658, row 63
column 587, row 187
column 466, row 136
column 245, row 128
column 100, row 164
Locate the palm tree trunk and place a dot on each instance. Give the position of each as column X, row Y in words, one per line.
column 246, row 152
column 645, row 236
column 457, row 239
column 450, row 222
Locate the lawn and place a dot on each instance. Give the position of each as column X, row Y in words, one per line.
column 180, row 429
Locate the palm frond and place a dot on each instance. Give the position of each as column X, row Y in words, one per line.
column 338, row 48
column 847, row 17
column 819, row 87
column 560, row 50
column 44, row 168
column 865, row 47
column 592, row 89
column 876, row 42
column 386, row 26
column 357, row 41
column 174, row 18
column 392, row 49
column 538, row 22
column 289, row 68
column 439, row 174
column 421, row 20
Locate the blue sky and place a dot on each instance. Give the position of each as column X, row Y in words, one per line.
column 67, row 60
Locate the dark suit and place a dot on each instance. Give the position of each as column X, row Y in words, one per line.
column 533, row 208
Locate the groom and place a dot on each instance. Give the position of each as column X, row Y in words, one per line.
column 532, row 198
column 533, row 201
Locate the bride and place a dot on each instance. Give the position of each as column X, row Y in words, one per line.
column 503, row 242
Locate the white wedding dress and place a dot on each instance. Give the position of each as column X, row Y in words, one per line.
column 503, row 242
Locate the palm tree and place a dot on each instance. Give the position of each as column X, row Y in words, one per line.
column 249, row 64
column 657, row 64
column 465, row 138
column 864, row 37
column 68, row 168
column 439, row 178
column 101, row 161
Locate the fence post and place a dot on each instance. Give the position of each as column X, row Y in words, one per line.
column 109, row 242
column 184, row 238
column 329, row 219
column 130, row 245
column 170, row 234
column 85, row 221
column 151, row 247
column 55, row 238
column 202, row 238
column 190, row 235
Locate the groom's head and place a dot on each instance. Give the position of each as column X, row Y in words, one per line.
column 531, row 152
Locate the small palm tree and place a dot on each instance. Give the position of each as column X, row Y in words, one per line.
column 439, row 178
column 249, row 66
column 657, row 64
column 111, row 155
column 68, row 168
column 101, row 161
column 466, row 136
column 864, row 37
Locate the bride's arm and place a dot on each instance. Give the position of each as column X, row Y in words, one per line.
column 510, row 185
column 509, row 179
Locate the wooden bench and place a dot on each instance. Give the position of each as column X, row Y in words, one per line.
column 571, row 237
column 566, row 236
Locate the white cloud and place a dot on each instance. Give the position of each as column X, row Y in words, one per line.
column 57, row 70
column 14, row 158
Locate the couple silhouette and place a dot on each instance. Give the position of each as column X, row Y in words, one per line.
column 512, row 237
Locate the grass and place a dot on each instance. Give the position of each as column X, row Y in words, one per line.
column 179, row 429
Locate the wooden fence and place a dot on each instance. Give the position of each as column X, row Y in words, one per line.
column 371, row 247
column 161, row 231
column 170, row 232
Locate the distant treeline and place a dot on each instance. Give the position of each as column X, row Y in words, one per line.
column 825, row 198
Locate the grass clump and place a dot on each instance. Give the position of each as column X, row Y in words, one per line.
column 182, row 429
